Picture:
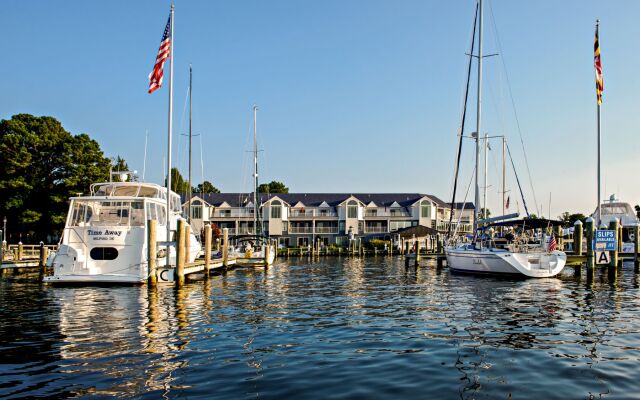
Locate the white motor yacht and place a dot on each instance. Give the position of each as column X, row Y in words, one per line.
column 105, row 235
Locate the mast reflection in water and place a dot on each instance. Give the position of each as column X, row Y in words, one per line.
column 339, row 328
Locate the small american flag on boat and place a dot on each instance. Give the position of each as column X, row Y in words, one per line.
column 553, row 246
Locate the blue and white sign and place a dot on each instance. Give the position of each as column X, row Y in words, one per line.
column 605, row 240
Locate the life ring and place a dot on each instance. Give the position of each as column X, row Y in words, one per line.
column 632, row 236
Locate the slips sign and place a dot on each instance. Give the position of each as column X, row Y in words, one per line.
column 605, row 240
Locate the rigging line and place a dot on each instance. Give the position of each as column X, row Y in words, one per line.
column 201, row 166
column 463, row 117
column 513, row 104
column 181, row 126
column 524, row 202
column 464, row 202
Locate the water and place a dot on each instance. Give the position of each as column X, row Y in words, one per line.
column 336, row 328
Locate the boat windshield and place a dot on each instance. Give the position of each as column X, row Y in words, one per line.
column 616, row 209
column 112, row 213
column 122, row 190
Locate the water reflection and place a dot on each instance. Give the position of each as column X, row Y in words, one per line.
column 331, row 327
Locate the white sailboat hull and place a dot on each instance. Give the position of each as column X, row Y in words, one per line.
column 502, row 262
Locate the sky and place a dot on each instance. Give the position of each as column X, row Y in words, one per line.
column 353, row 96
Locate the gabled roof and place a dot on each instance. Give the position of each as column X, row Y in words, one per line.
column 418, row 231
column 317, row 199
column 458, row 206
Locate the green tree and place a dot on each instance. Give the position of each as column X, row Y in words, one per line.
column 178, row 184
column 42, row 166
column 206, row 187
column 273, row 187
column 119, row 164
column 482, row 211
column 571, row 219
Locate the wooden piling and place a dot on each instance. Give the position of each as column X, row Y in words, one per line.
column 20, row 251
column 207, row 249
column 589, row 234
column 152, row 251
column 614, row 225
column 636, row 245
column 390, row 248
column 577, row 238
column 267, row 254
column 42, row 262
column 180, row 251
column 225, row 247
column 557, row 232
column 187, row 243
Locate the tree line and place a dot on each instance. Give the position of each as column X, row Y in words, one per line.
column 42, row 165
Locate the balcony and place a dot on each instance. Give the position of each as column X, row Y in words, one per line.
column 300, row 213
column 387, row 213
column 300, row 229
column 233, row 214
column 245, row 231
column 326, row 229
column 375, row 229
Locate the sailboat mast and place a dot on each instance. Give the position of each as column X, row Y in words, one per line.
column 169, row 139
column 477, row 188
column 190, row 137
column 504, row 168
column 255, row 170
column 486, row 181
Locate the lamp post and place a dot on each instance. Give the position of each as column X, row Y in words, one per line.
column 4, row 231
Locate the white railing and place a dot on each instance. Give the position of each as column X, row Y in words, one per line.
column 233, row 214
column 375, row 229
column 246, row 231
column 326, row 229
column 299, row 213
column 300, row 229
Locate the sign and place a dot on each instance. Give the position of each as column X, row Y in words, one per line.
column 605, row 240
column 603, row 257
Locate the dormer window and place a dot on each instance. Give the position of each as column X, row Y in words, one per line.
column 425, row 209
column 276, row 209
column 352, row 209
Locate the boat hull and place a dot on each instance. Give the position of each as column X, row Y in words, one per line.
column 501, row 262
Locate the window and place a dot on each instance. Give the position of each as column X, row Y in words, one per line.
column 425, row 208
column 196, row 212
column 276, row 209
column 225, row 213
column 352, row 209
column 103, row 253
column 341, row 227
column 285, row 226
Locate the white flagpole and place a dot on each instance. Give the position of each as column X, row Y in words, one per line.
column 169, row 140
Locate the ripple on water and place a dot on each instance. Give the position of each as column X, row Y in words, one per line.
column 337, row 328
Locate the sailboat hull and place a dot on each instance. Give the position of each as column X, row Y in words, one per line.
column 502, row 262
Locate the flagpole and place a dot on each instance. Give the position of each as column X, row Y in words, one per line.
column 599, row 141
column 169, row 140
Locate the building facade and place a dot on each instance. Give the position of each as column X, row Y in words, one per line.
column 300, row 219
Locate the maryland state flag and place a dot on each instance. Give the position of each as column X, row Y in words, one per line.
column 598, row 64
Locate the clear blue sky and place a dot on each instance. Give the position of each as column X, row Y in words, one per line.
column 354, row 96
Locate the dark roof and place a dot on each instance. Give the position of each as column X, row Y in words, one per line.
column 418, row 231
column 528, row 223
column 315, row 199
column 458, row 206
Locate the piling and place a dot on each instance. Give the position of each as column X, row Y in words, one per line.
column 187, row 243
column 20, row 251
column 439, row 244
column 636, row 245
column 390, row 248
column 225, row 246
column 589, row 234
column 557, row 232
column 577, row 238
column 267, row 254
column 1, row 246
column 417, row 260
column 180, row 251
column 152, row 250
column 614, row 225
column 207, row 249
column 42, row 262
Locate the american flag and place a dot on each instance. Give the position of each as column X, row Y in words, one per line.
column 552, row 243
column 598, row 65
column 507, row 203
column 155, row 77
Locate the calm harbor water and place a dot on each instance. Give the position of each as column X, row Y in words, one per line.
column 336, row 328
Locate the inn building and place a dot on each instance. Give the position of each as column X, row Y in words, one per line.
column 299, row 219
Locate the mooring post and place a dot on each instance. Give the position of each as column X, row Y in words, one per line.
column 180, row 251
column 207, row 249
column 267, row 254
column 589, row 234
column 187, row 242
column 613, row 225
column 225, row 247
column 20, row 251
column 636, row 246
column 152, row 251
column 557, row 232
column 1, row 246
column 577, row 238
column 417, row 259
column 42, row 262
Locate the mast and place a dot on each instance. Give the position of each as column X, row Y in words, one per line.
column 477, row 191
column 169, row 139
column 599, row 137
column 255, row 171
column 486, row 170
column 504, row 168
column 190, row 136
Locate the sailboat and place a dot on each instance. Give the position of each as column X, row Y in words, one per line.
column 518, row 257
column 255, row 249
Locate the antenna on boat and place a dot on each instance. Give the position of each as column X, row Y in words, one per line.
column 144, row 162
